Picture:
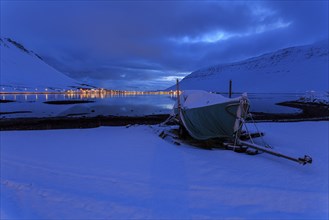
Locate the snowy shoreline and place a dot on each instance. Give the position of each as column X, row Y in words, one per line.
column 78, row 121
column 130, row 172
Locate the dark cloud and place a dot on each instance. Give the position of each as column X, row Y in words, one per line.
column 145, row 44
column 309, row 20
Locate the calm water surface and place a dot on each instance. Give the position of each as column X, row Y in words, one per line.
column 32, row 105
column 101, row 105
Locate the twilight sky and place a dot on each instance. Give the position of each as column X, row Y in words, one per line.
column 148, row 44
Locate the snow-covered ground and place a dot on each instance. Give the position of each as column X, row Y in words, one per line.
column 125, row 173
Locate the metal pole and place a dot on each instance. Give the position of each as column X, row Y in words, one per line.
column 305, row 160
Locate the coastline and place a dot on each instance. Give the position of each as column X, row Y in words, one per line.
column 49, row 123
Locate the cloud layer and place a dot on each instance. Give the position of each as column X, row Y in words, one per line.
column 145, row 45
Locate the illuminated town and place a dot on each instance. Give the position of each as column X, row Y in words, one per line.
column 86, row 93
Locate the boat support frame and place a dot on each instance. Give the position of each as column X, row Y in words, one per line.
column 301, row 160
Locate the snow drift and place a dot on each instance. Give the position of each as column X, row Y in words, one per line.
column 131, row 173
column 24, row 70
column 290, row 70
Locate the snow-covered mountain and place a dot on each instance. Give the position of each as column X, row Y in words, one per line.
column 294, row 69
column 24, row 70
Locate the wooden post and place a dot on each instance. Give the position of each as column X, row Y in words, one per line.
column 178, row 97
column 230, row 90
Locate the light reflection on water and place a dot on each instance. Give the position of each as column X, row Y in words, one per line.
column 49, row 97
column 123, row 105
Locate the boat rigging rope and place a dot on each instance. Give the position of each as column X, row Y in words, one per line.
column 261, row 136
column 244, row 108
column 241, row 115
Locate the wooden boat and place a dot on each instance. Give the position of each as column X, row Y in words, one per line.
column 207, row 115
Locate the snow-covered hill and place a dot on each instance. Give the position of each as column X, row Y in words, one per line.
column 294, row 69
column 24, row 70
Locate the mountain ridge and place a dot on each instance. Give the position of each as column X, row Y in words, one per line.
column 25, row 70
column 286, row 70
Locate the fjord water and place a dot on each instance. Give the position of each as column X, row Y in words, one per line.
column 33, row 105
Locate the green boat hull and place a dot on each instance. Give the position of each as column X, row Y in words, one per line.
column 214, row 121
